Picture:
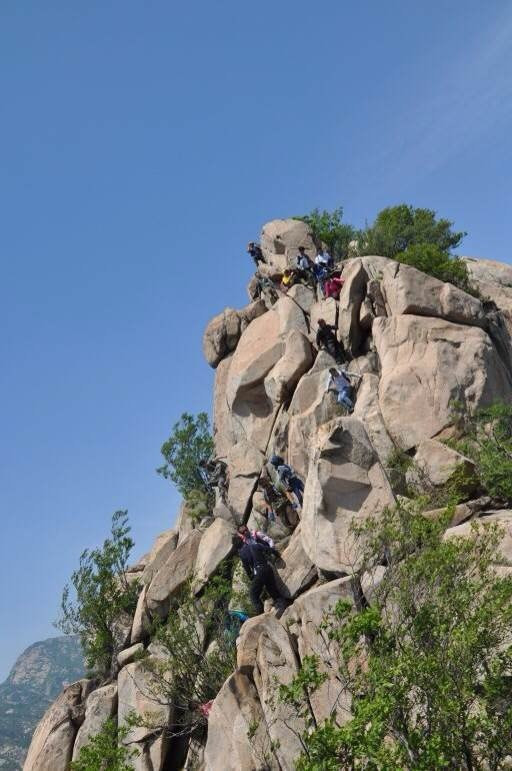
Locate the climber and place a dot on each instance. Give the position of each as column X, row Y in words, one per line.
column 214, row 473
column 288, row 477
column 254, row 557
column 255, row 251
column 339, row 381
column 288, row 279
column 324, row 259
column 326, row 338
column 332, row 287
column 267, row 286
column 255, row 536
column 305, row 267
column 277, row 502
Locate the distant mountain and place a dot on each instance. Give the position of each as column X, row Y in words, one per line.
column 33, row 683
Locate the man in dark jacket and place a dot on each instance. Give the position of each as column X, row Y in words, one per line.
column 326, row 338
column 255, row 559
column 255, row 251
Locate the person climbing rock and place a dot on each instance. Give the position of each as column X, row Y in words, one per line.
column 305, row 267
column 267, row 288
column 326, row 338
column 255, row 251
column 254, row 536
column 324, row 259
column 288, row 279
column 255, row 559
column 277, row 502
column 332, row 287
column 340, row 382
column 214, row 473
column 288, row 477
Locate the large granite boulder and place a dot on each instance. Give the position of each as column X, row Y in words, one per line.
column 435, row 464
column 295, row 570
column 101, row 705
column 346, row 482
column 223, row 331
column 427, row 364
column 177, row 569
column 51, row 748
column 280, row 241
column 163, row 547
column 214, row 547
column 245, row 462
column 297, row 358
column 276, row 662
column 237, row 736
column 138, row 691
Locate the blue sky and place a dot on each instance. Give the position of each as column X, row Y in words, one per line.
column 141, row 146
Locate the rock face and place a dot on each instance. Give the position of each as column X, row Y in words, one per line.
column 417, row 345
column 52, row 744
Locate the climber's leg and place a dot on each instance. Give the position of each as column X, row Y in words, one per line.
column 258, row 582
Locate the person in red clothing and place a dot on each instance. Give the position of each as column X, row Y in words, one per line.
column 332, row 287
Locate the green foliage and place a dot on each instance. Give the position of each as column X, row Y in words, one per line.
column 427, row 663
column 190, row 441
column 397, row 228
column 198, row 504
column 397, row 465
column 200, row 653
column 487, row 440
column 430, row 259
column 105, row 752
column 103, row 596
column 329, row 229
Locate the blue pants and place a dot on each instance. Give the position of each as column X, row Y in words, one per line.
column 344, row 398
column 296, row 486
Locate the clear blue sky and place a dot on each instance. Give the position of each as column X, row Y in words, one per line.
column 141, row 146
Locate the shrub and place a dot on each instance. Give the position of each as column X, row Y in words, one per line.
column 189, row 443
column 397, row 228
column 103, row 596
column 487, row 440
column 432, row 260
column 426, row 663
column 105, row 751
column 328, row 228
column 200, row 654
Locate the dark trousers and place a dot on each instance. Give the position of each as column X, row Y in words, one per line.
column 263, row 579
column 297, row 487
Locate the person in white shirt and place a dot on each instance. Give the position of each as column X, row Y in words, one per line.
column 339, row 381
column 324, row 259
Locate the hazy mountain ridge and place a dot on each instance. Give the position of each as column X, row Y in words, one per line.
column 33, row 682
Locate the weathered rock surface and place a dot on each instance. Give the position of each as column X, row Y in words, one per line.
column 215, row 546
column 163, row 547
column 223, row 332
column 280, row 241
column 275, row 660
column 138, row 691
column 436, row 464
column 172, row 575
column 52, row 744
column 427, row 364
column 296, row 571
column 101, row 704
column 235, row 712
column 245, row 462
column 345, row 482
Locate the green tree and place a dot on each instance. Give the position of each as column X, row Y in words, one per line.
column 103, row 596
column 329, row 229
column 427, row 662
column 190, row 441
column 397, row 228
column 430, row 259
column 200, row 653
column 487, row 439
column 105, row 751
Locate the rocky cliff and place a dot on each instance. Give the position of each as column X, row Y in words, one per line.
column 418, row 345
column 34, row 681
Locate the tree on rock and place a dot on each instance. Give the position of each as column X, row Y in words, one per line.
column 105, row 598
column 328, row 229
column 426, row 658
column 396, row 228
column 189, row 443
